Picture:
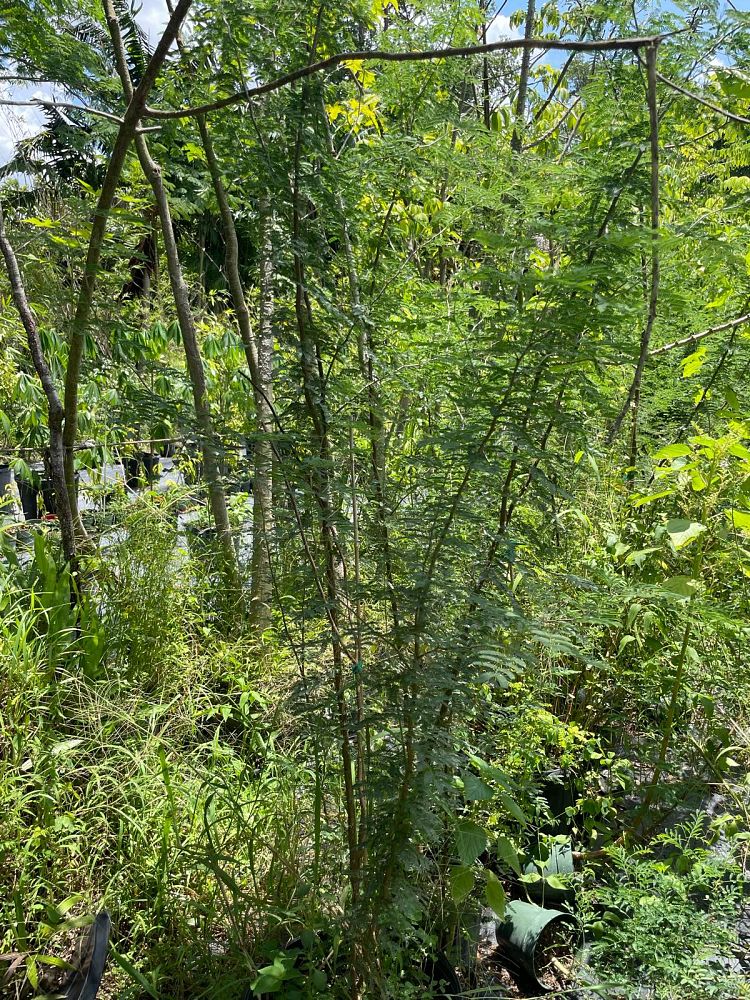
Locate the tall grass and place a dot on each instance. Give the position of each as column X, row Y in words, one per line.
column 165, row 786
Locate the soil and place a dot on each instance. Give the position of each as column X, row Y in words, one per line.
column 555, row 963
column 555, row 955
column 492, row 976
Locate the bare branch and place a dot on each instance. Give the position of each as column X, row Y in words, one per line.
column 376, row 55
column 38, row 102
column 695, row 337
column 701, row 100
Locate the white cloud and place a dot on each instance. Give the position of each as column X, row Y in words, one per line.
column 152, row 17
column 501, row 28
column 18, row 123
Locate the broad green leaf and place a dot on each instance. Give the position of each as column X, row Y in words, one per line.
column 671, row 451
column 638, row 558
column 495, row 894
column 32, row 972
column 693, row 363
column 475, row 790
column 319, row 980
column 682, row 532
column 461, row 882
column 506, row 852
column 625, row 642
column 555, row 882
column 471, row 840
column 697, row 481
column 640, row 501
column 682, row 586
column 733, row 82
column 739, row 519
column 513, row 808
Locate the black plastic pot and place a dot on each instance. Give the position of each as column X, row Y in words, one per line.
column 48, row 496
column 133, row 479
column 6, row 481
column 150, row 465
column 28, row 490
column 558, row 788
column 85, row 980
column 560, row 862
column 519, row 934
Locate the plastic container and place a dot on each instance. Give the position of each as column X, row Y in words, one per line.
column 6, row 482
column 526, row 934
column 560, row 862
column 86, row 979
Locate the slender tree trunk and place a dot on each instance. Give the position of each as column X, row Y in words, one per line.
column 366, row 356
column 314, row 394
column 263, row 519
column 136, row 104
column 194, row 361
column 55, row 411
column 523, row 82
column 634, row 392
column 485, row 73
column 259, row 356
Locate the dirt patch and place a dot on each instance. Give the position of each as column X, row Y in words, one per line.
column 554, row 957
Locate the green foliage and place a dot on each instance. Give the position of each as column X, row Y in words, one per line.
column 519, row 601
column 664, row 920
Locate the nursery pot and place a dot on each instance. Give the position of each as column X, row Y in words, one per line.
column 6, row 480
column 560, row 862
column 48, row 496
column 558, row 788
column 85, row 980
column 521, row 934
column 151, row 465
column 28, row 490
column 133, row 479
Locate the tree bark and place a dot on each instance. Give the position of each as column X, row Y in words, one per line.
column 259, row 355
column 136, row 105
column 194, row 361
column 55, row 411
column 263, row 519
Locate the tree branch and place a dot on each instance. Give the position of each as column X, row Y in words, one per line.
column 39, row 102
column 377, row 55
column 55, row 410
column 125, row 135
column 695, row 337
column 701, row 100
